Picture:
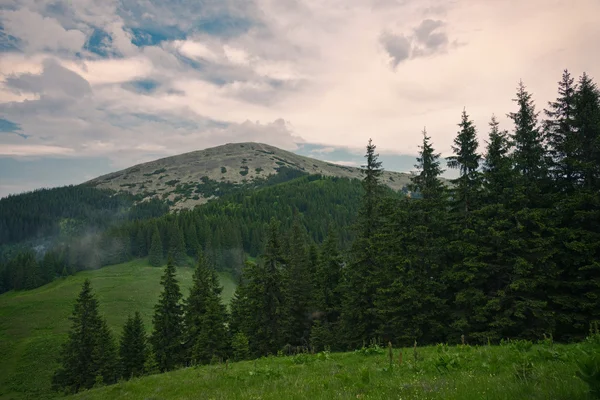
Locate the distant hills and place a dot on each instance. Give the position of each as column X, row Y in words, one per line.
column 190, row 179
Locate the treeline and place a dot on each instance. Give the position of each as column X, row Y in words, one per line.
column 511, row 250
column 226, row 230
column 67, row 211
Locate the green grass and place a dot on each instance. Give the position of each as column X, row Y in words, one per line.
column 542, row 372
column 33, row 324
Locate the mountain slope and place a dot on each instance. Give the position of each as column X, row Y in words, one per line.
column 192, row 178
column 33, row 324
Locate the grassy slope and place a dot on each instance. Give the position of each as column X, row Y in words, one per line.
column 497, row 372
column 33, row 324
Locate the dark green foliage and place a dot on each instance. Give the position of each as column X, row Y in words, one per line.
column 133, row 347
column 466, row 160
column 89, row 355
column 359, row 320
column 561, row 135
column 257, row 309
column 176, row 244
column 239, row 347
column 529, row 156
column 155, row 255
column 167, row 337
column 327, row 295
column 412, row 250
column 297, row 288
column 206, row 336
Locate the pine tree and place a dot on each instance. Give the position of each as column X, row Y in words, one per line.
column 412, row 305
column 560, row 134
column 497, row 166
column 529, row 155
column 258, row 304
column 88, row 353
column 106, row 357
column 587, row 124
column 359, row 319
column 176, row 244
column 577, row 237
column 155, row 255
column 521, row 307
column 466, row 160
column 297, row 288
column 205, row 316
column 133, row 347
column 466, row 292
column 327, row 294
column 167, row 337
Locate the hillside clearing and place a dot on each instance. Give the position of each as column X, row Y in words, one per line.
column 34, row 323
column 462, row 372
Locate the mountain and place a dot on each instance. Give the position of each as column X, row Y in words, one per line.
column 190, row 179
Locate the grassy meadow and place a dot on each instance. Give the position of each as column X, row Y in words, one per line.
column 34, row 323
column 512, row 371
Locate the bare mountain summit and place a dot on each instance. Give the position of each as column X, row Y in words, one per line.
column 192, row 178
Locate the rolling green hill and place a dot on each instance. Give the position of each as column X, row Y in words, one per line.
column 34, row 323
column 514, row 371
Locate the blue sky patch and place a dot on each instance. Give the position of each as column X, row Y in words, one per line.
column 7, row 126
column 224, row 25
column 143, row 85
column 152, row 36
column 100, row 43
column 7, row 42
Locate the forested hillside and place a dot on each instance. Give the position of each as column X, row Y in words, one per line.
column 227, row 230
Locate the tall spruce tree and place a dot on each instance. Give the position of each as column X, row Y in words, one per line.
column 167, row 337
column 520, row 308
column 466, row 292
column 414, row 306
column 327, row 294
column 587, row 124
column 466, row 159
column 529, row 155
column 106, row 355
column 497, row 166
column 359, row 317
column 297, row 288
column 257, row 308
column 155, row 255
column 88, row 356
column 560, row 134
column 206, row 336
column 133, row 347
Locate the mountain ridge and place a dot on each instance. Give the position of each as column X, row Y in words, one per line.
column 193, row 178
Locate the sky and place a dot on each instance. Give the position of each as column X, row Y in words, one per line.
column 92, row 86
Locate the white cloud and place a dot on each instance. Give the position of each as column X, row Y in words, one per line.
column 40, row 33
column 322, row 66
column 33, row 150
column 344, row 163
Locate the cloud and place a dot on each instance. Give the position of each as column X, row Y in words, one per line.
column 54, row 80
column 135, row 80
column 345, row 163
column 427, row 39
column 33, row 150
column 397, row 46
column 36, row 32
